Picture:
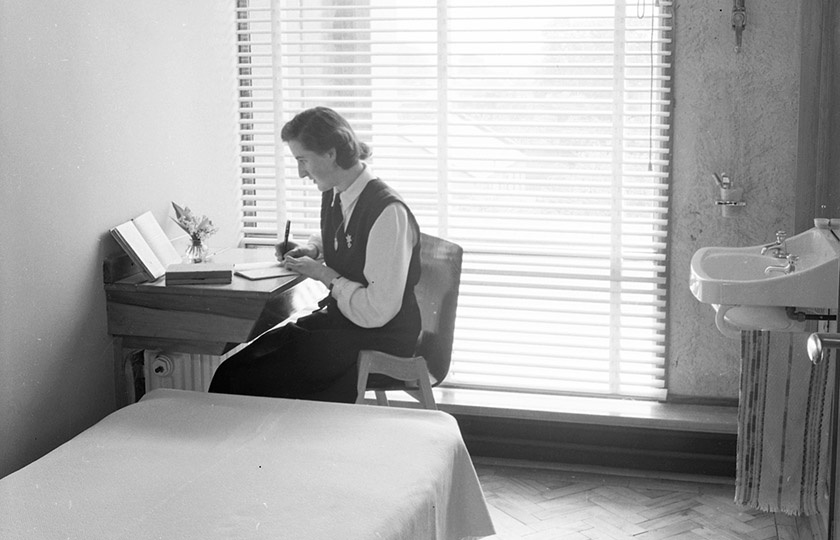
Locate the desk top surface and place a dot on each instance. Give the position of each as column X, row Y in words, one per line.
column 239, row 286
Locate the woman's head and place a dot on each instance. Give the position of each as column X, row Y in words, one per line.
column 321, row 129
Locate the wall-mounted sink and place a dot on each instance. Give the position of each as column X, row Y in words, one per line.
column 745, row 278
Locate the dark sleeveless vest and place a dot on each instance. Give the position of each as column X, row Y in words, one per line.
column 349, row 259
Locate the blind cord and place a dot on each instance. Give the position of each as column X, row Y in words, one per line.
column 641, row 8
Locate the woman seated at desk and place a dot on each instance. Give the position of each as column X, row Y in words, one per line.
column 367, row 254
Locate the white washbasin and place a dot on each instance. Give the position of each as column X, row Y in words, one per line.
column 735, row 277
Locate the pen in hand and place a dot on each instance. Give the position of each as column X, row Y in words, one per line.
column 286, row 237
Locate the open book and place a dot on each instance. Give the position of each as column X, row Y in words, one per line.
column 147, row 245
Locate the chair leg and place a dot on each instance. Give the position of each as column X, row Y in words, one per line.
column 428, row 399
column 361, row 380
column 381, row 398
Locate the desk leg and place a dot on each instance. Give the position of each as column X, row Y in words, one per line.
column 121, row 389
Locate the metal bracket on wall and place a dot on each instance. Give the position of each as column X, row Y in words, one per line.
column 800, row 316
column 739, row 21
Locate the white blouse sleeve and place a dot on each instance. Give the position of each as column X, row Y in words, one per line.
column 315, row 240
column 387, row 260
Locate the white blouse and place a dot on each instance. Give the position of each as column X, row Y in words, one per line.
column 387, row 260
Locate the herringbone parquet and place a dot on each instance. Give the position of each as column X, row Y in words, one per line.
column 530, row 503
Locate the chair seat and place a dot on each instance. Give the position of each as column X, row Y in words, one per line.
column 382, row 372
column 379, row 381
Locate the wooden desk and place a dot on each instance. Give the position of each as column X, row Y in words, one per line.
column 201, row 319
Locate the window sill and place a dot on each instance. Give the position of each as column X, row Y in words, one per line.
column 716, row 419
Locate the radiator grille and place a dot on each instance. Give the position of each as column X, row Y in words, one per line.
column 180, row 371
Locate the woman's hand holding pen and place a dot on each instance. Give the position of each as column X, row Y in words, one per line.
column 295, row 250
column 301, row 259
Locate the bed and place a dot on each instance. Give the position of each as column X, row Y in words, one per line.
column 192, row 465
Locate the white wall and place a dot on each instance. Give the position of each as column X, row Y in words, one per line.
column 107, row 109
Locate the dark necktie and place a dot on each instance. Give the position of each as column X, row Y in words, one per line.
column 338, row 220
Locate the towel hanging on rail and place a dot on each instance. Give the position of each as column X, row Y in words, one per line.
column 785, row 404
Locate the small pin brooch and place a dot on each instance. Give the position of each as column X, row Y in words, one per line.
column 349, row 241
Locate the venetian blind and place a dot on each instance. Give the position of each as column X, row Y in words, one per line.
column 534, row 134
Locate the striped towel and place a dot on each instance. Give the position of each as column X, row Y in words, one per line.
column 783, row 420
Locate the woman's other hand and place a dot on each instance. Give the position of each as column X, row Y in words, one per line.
column 309, row 267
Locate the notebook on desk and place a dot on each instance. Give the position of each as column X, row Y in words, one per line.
column 262, row 270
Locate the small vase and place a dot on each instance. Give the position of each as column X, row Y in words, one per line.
column 196, row 251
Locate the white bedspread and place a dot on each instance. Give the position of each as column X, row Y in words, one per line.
column 189, row 465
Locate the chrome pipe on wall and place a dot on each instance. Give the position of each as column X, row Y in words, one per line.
column 819, row 343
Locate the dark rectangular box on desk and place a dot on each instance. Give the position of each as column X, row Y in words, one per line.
column 199, row 274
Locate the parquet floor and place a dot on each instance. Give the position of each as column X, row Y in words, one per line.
column 528, row 503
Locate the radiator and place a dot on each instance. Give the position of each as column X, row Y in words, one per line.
column 179, row 370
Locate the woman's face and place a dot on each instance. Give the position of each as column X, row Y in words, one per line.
column 321, row 168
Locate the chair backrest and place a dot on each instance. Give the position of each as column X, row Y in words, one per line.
column 437, row 296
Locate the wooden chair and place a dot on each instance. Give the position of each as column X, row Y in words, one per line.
column 437, row 296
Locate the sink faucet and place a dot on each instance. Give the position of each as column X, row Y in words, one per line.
column 778, row 248
column 786, row 268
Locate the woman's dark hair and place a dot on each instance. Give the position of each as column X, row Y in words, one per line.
column 321, row 129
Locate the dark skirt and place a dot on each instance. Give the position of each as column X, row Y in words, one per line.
column 314, row 358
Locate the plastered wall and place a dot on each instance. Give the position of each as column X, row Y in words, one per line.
column 735, row 113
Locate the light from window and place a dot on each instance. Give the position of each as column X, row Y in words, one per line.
column 534, row 134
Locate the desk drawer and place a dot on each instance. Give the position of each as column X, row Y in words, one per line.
column 141, row 321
